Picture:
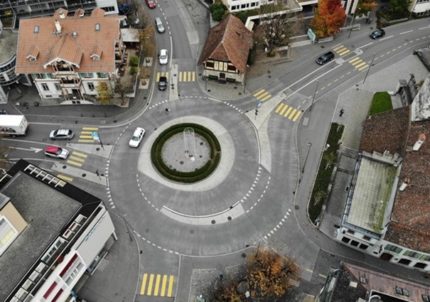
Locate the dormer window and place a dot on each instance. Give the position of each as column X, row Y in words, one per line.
column 95, row 57
column 36, row 29
column 97, row 26
column 32, row 54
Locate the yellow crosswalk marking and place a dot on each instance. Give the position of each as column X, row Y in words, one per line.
column 360, row 65
column 266, row 97
column 85, row 136
column 170, row 288
column 90, row 128
column 363, row 67
column 76, row 158
column 158, row 77
column 280, row 106
column 354, row 60
column 86, row 132
column 193, row 76
column 261, row 91
column 143, row 286
column 85, row 141
column 64, row 177
column 293, row 112
column 338, row 47
column 288, row 112
column 180, row 76
column 297, row 115
column 157, row 285
column 151, row 280
column 80, row 154
column 284, row 109
column 344, row 52
column 163, row 286
column 74, row 163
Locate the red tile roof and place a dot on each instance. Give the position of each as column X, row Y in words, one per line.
column 229, row 41
column 75, row 44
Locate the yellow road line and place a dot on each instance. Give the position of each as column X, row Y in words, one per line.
column 90, row 128
column 157, row 285
column 74, row 163
column 297, row 115
column 284, row 109
column 193, row 76
column 143, row 286
column 363, row 67
column 354, row 60
column 360, row 65
column 77, row 153
column 64, row 177
column 151, row 280
column 293, row 112
column 288, row 111
column 163, row 286
column 280, row 106
column 170, row 288
column 86, row 141
column 257, row 94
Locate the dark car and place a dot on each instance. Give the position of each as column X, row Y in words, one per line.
column 376, row 34
column 325, row 58
column 162, row 83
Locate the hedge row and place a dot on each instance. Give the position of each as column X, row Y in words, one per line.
column 186, row 177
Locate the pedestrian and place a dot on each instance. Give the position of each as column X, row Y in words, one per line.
column 341, row 112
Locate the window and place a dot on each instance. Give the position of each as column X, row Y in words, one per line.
column 7, row 234
column 57, row 86
column 420, row 265
column 97, row 26
column 404, row 261
column 411, row 254
column 102, row 75
column 424, row 257
column 231, row 68
column 346, row 239
column 363, row 246
column 38, row 76
column 109, row 8
column 354, row 243
column 86, row 75
column 365, row 237
column 209, row 64
column 426, row 298
column 351, row 232
column 91, row 86
column 45, row 87
column 243, row 6
column 393, row 248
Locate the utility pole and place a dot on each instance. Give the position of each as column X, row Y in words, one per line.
column 313, row 98
column 368, row 69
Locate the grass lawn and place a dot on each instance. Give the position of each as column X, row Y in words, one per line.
column 381, row 102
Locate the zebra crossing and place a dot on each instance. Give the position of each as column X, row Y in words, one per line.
column 358, row 63
column 183, row 76
column 85, row 136
column 341, row 50
column 287, row 111
column 262, row 95
column 77, row 158
column 157, row 285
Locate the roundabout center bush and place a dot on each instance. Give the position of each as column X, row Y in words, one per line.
column 186, row 177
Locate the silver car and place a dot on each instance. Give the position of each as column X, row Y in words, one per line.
column 159, row 25
column 61, row 134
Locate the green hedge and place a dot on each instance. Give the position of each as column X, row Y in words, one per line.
column 381, row 102
column 186, row 177
column 322, row 181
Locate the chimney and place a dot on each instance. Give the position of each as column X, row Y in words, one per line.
column 57, row 27
column 404, row 184
column 419, row 142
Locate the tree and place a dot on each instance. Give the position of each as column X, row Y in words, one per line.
column 147, row 41
column 217, row 10
column 397, row 9
column 104, row 93
column 365, row 6
column 329, row 18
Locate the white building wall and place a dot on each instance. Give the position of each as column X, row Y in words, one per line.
column 52, row 91
column 241, row 5
column 110, row 6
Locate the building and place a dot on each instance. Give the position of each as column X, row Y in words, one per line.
column 51, row 235
column 225, row 53
column 387, row 212
column 353, row 283
column 234, row 6
column 68, row 57
column 420, row 8
column 12, row 10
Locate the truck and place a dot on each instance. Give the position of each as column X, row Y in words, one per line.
column 13, row 125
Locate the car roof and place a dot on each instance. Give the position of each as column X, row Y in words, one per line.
column 52, row 149
column 163, row 78
column 163, row 51
column 138, row 130
column 63, row 131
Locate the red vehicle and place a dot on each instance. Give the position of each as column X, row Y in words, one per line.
column 57, row 152
column 151, row 3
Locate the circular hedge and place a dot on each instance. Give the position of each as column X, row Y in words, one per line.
column 186, row 177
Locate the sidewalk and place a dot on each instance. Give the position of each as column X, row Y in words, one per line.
column 118, row 273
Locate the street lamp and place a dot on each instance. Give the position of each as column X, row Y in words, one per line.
column 306, row 158
column 368, row 69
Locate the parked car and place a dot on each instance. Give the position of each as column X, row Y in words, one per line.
column 151, row 3
column 162, row 83
column 325, row 58
column 376, row 34
column 137, row 137
column 159, row 25
column 61, row 134
column 163, row 57
column 56, row 152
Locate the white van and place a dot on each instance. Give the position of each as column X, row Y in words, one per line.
column 13, row 125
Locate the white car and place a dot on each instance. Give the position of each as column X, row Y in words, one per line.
column 137, row 137
column 163, row 57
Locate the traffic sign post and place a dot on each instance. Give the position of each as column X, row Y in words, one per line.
column 96, row 137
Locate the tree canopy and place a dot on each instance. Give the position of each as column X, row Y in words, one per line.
column 365, row 6
column 329, row 18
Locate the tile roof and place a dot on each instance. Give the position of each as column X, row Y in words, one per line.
column 386, row 131
column 228, row 41
column 410, row 219
column 75, row 44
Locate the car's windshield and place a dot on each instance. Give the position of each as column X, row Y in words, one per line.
column 135, row 138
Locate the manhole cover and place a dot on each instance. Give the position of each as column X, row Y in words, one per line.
column 83, row 174
column 213, row 221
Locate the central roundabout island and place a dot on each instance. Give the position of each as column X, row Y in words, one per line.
column 186, row 153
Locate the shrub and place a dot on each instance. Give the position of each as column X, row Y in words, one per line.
column 218, row 11
column 133, row 70
column 134, row 61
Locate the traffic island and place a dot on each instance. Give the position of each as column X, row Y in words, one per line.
column 186, row 153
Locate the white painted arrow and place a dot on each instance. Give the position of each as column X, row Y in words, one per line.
column 31, row 149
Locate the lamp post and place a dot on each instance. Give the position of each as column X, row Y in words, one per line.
column 368, row 69
column 306, row 158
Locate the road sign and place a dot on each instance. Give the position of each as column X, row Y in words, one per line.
column 258, row 105
column 95, row 136
column 311, row 35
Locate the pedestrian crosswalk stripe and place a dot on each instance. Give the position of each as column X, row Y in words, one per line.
column 262, row 95
column 187, row 76
column 284, row 109
column 80, row 154
column 338, row 47
column 360, row 65
column 354, row 60
column 151, row 280
column 143, row 286
column 161, row 74
column 64, row 177
column 288, row 111
column 157, row 285
column 86, row 136
column 280, row 106
column 90, row 128
column 74, row 163
column 297, row 115
column 193, row 78
column 163, row 285
column 85, row 141
column 363, row 67
column 293, row 112
column 344, row 52
column 170, row 289
column 77, row 158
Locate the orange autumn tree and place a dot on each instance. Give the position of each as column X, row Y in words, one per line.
column 329, row 18
column 365, row 6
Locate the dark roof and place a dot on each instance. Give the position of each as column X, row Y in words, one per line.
column 410, row 219
column 47, row 210
column 228, row 41
column 386, row 131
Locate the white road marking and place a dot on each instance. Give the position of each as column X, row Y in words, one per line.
column 406, row 32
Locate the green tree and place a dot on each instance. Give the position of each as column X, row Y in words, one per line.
column 365, row 6
column 329, row 18
column 218, row 10
column 398, row 9
column 104, row 93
